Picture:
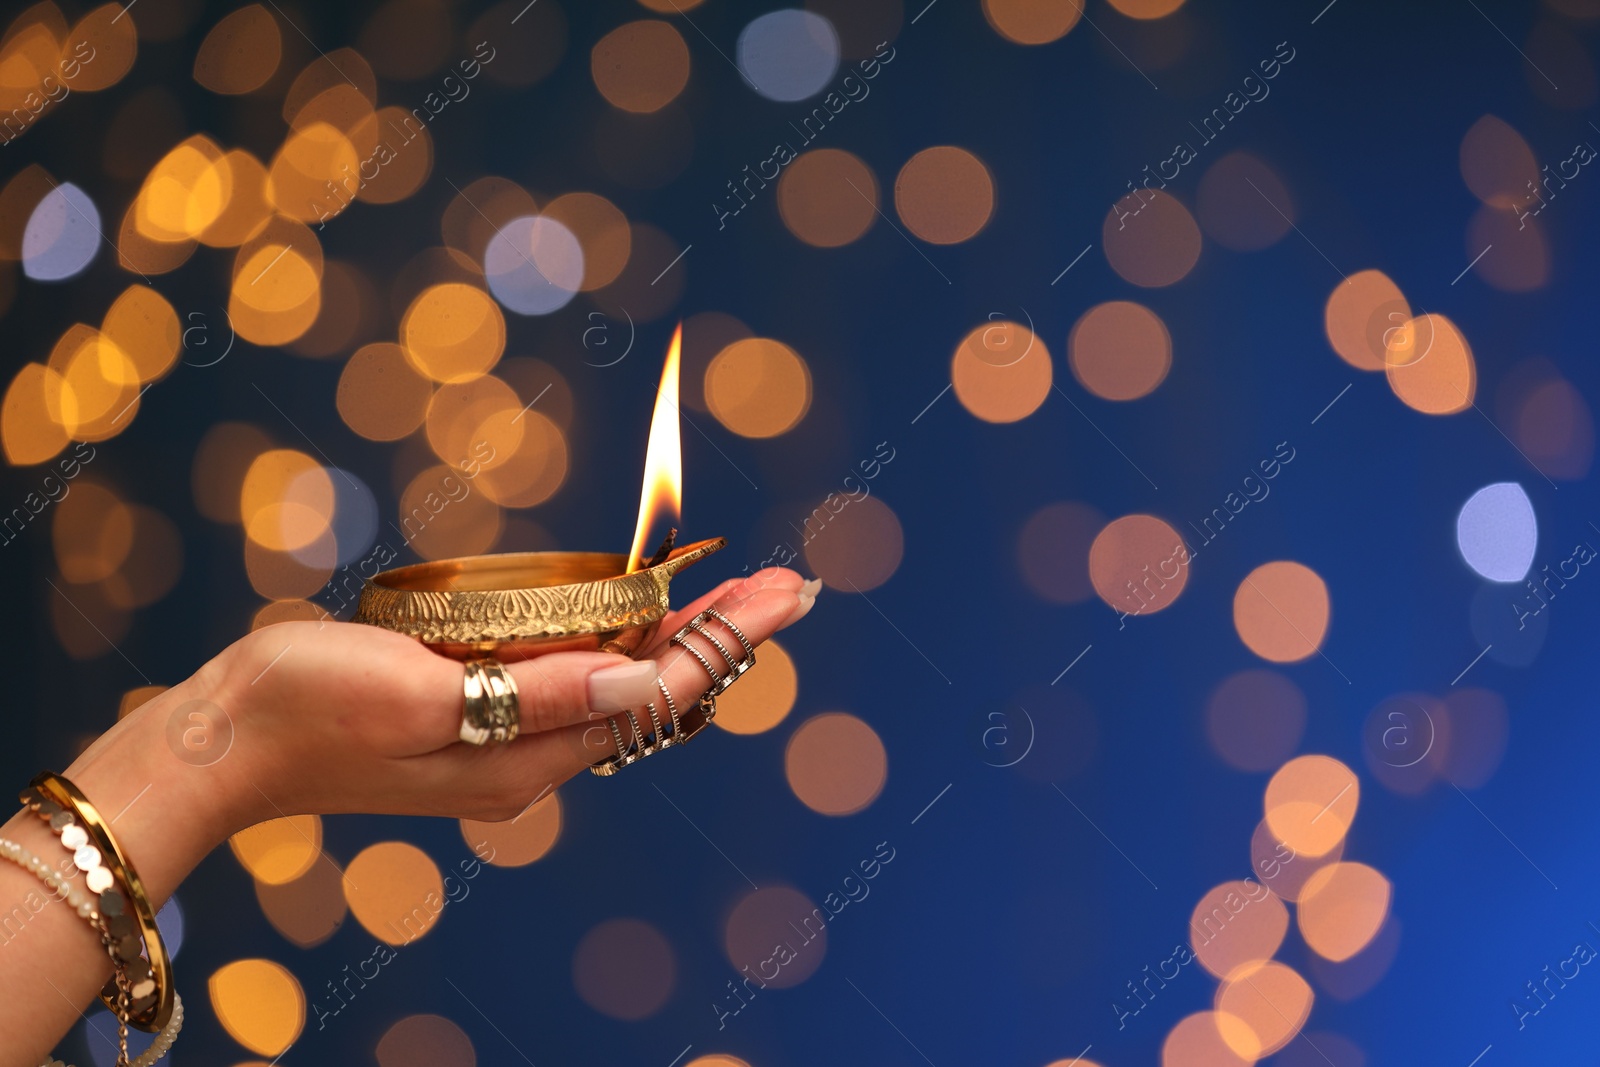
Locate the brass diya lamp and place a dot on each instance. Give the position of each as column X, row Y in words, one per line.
column 522, row 604
column 518, row 605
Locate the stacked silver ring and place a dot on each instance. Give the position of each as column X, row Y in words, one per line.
column 736, row 668
column 643, row 744
column 491, row 713
column 683, row 726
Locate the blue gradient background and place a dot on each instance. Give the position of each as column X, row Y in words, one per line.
column 1006, row 925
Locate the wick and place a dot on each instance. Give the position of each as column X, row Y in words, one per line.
column 665, row 549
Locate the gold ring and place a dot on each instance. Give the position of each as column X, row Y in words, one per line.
column 490, row 712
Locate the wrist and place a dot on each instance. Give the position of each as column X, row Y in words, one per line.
column 162, row 778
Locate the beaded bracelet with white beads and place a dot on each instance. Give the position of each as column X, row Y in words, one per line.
column 85, row 905
column 162, row 1045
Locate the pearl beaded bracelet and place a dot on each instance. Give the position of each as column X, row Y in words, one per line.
column 84, row 904
column 161, row 1046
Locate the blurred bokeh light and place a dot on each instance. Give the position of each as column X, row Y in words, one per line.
column 836, row 763
column 260, row 1004
column 1151, row 242
column 1311, row 802
column 1271, row 1000
column 1237, row 926
column 765, row 696
column 1031, row 22
column 641, row 66
column 780, row 926
column 625, row 968
column 788, row 54
column 281, row 850
column 1281, row 611
column 1130, row 561
column 425, row 1041
column 1430, row 366
column 1053, row 551
column 1002, row 372
column 519, row 841
column 308, row 910
column 1497, row 532
column 1341, row 909
column 758, row 387
column 1120, row 350
column 828, row 197
column 1255, row 719
column 395, row 891
column 944, row 195
column 857, row 545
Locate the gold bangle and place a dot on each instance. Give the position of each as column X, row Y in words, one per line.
column 56, row 789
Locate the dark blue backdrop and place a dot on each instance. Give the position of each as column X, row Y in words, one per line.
column 1007, row 924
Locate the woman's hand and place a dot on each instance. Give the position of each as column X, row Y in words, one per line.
column 336, row 717
column 328, row 717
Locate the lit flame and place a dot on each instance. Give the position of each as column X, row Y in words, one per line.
column 661, row 498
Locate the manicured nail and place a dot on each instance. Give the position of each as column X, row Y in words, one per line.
column 799, row 612
column 624, row 687
column 811, row 588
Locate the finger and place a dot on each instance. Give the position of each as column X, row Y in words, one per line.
column 571, row 687
column 553, row 691
column 565, row 688
column 500, row 781
column 757, row 615
column 738, row 588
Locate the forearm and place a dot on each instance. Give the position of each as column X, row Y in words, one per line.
column 166, row 814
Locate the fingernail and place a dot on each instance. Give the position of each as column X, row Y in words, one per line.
column 811, row 588
column 799, row 612
column 623, row 687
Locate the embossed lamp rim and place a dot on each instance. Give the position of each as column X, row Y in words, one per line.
column 525, row 602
